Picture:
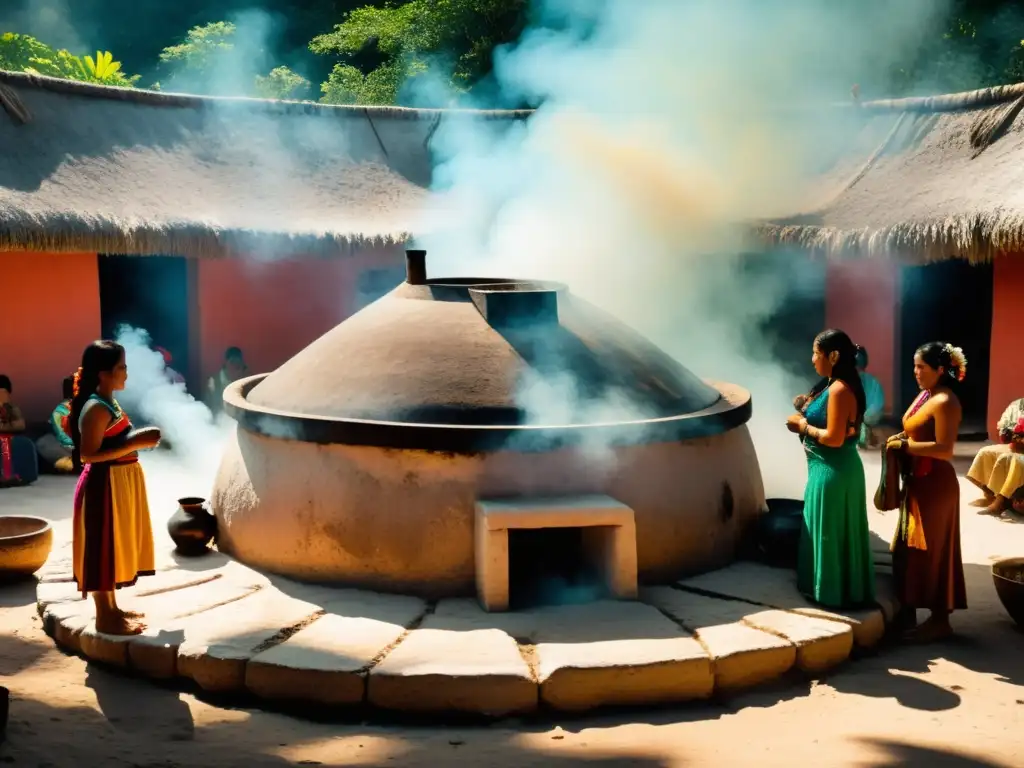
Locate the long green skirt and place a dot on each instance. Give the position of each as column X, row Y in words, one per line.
column 835, row 566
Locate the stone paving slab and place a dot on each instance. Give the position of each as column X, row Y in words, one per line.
column 479, row 671
column 776, row 588
column 742, row 656
column 328, row 661
column 817, row 644
column 215, row 655
column 596, row 654
column 169, row 616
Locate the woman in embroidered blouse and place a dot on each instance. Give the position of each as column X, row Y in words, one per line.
column 835, row 566
column 112, row 536
column 927, row 564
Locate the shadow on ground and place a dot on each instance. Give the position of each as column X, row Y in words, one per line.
column 986, row 642
column 163, row 735
column 900, row 754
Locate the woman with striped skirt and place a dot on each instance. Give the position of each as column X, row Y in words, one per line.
column 113, row 538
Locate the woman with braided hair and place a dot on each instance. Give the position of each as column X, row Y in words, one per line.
column 927, row 564
column 112, row 535
column 835, row 566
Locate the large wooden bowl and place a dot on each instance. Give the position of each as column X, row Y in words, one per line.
column 1008, row 576
column 25, row 544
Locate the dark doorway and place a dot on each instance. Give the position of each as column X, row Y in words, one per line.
column 549, row 566
column 150, row 293
column 948, row 301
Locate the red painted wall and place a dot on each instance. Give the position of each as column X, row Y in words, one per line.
column 1006, row 371
column 272, row 309
column 51, row 311
column 861, row 298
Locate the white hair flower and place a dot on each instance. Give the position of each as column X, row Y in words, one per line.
column 959, row 361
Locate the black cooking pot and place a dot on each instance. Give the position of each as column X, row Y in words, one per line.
column 778, row 535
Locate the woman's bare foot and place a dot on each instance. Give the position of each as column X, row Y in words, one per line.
column 995, row 509
column 982, row 501
column 116, row 624
column 130, row 614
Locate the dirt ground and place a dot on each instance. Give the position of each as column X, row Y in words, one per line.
column 956, row 704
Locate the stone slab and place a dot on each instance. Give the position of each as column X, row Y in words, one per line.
column 820, row 644
column 596, row 654
column 548, row 512
column 776, row 588
column 743, row 656
column 328, row 661
column 49, row 592
column 166, row 613
column 65, row 621
column 59, row 565
column 215, row 655
column 69, row 618
column 448, row 670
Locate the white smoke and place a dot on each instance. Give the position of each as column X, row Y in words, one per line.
column 661, row 125
column 195, row 437
column 48, row 21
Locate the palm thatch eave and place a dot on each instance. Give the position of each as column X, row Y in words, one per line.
column 919, row 180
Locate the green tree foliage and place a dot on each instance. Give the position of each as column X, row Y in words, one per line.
column 282, row 83
column 408, row 37
column 213, row 58
column 981, row 45
column 23, row 53
column 203, row 48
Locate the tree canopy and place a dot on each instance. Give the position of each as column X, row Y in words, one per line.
column 457, row 37
column 369, row 51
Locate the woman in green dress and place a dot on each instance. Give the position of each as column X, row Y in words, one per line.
column 835, row 567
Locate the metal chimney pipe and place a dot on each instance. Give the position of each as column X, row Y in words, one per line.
column 416, row 267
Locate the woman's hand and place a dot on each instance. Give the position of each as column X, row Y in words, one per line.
column 800, row 401
column 796, row 423
column 896, row 443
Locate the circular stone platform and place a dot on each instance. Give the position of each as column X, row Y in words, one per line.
column 234, row 630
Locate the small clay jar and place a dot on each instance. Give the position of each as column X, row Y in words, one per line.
column 192, row 527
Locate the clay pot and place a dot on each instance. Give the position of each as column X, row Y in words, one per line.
column 1008, row 576
column 779, row 532
column 192, row 527
column 25, row 544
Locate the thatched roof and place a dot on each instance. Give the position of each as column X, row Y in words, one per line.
column 922, row 179
column 92, row 168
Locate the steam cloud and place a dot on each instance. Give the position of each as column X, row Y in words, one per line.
column 658, row 130
column 195, row 436
column 660, row 125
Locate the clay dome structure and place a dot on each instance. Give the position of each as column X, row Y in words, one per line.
column 364, row 459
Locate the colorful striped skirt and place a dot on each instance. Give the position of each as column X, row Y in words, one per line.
column 113, row 537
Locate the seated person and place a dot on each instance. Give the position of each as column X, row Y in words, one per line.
column 234, row 368
column 18, row 462
column 998, row 470
column 55, row 446
column 874, row 403
column 172, row 375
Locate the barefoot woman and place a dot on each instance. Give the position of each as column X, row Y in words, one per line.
column 113, row 540
column 835, row 566
column 927, row 566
